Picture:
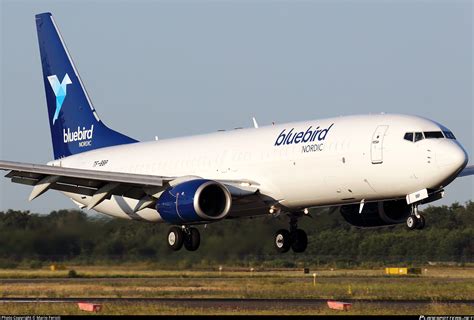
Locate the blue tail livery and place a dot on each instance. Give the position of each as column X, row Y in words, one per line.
column 74, row 123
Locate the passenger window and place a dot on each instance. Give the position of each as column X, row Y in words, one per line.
column 408, row 136
column 418, row 136
column 433, row 135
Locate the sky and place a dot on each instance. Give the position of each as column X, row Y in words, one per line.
column 176, row 68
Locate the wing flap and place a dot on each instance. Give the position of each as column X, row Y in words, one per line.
column 63, row 179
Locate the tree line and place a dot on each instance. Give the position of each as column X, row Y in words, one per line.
column 74, row 236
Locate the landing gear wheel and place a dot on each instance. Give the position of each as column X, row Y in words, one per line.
column 300, row 241
column 282, row 240
column 412, row 222
column 192, row 239
column 175, row 238
column 420, row 222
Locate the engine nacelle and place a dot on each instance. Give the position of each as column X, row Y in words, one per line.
column 198, row 200
column 377, row 214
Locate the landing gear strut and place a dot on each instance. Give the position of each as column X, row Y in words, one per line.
column 187, row 236
column 295, row 238
column 415, row 220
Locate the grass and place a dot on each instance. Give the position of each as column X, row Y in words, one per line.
column 326, row 288
column 149, row 271
column 436, row 284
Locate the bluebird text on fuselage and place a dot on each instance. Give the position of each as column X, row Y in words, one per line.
column 309, row 135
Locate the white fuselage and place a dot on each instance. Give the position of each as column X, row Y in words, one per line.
column 360, row 157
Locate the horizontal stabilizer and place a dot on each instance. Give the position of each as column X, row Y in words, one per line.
column 467, row 171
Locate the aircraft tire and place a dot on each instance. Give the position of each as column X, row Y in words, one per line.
column 420, row 223
column 300, row 241
column 282, row 241
column 175, row 238
column 192, row 239
column 412, row 222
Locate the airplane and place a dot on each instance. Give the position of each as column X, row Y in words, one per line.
column 375, row 169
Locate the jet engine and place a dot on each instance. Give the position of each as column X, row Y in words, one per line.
column 377, row 214
column 194, row 201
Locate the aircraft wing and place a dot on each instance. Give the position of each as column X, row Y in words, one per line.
column 101, row 185
column 467, row 171
column 98, row 184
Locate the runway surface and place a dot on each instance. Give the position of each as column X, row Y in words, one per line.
column 231, row 302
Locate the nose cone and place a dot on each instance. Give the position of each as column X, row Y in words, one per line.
column 451, row 157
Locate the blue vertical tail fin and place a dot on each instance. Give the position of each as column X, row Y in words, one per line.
column 74, row 123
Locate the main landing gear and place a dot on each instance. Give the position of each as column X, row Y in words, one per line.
column 295, row 238
column 415, row 220
column 187, row 236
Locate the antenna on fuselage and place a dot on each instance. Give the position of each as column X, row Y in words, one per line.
column 255, row 124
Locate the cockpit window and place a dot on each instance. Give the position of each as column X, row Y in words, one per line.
column 433, row 135
column 408, row 136
column 418, row 136
column 413, row 136
column 449, row 135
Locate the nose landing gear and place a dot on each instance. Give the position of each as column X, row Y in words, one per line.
column 415, row 220
column 295, row 238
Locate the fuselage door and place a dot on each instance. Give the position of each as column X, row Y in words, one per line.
column 376, row 151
